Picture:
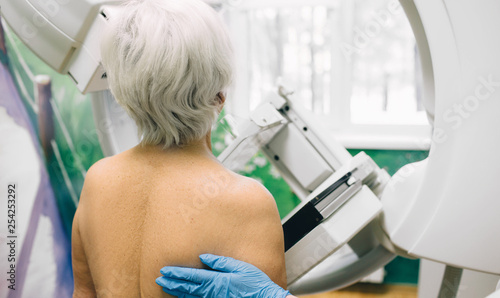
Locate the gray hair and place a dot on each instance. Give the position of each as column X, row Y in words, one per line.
column 166, row 62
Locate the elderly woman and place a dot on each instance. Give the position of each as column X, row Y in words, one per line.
column 168, row 200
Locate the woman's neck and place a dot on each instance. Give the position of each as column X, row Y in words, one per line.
column 202, row 147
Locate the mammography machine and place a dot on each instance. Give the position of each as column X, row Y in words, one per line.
column 354, row 218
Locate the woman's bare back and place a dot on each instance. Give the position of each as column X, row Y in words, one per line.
column 145, row 209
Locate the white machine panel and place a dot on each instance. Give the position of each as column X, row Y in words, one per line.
column 303, row 162
column 64, row 34
column 446, row 209
column 72, row 17
column 39, row 34
column 330, row 236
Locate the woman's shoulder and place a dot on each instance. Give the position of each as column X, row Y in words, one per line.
column 251, row 189
column 249, row 197
column 103, row 169
column 103, row 175
column 111, row 166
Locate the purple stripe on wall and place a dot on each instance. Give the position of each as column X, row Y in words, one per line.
column 44, row 203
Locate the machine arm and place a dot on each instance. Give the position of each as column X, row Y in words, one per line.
column 338, row 192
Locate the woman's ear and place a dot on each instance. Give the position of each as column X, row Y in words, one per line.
column 221, row 97
column 222, row 100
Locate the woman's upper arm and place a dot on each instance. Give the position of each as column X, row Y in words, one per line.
column 84, row 285
column 260, row 234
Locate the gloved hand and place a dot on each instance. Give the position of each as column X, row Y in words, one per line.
column 233, row 278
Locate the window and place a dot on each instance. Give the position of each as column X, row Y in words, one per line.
column 353, row 63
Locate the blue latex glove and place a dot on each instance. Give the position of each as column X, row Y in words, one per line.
column 233, row 278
